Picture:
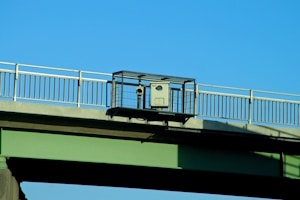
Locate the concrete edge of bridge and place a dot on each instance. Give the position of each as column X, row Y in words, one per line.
column 92, row 122
column 192, row 124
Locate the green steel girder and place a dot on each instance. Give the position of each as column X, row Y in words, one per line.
column 37, row 145
column 67, row 145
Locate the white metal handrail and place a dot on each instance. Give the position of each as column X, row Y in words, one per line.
column 24, row 82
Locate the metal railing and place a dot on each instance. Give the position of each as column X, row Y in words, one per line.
column 23, row 82
column 53, row 85
column 252, row 106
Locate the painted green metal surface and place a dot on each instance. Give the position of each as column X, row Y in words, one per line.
column 129, row 152
column 87, row 149
column 291, row 166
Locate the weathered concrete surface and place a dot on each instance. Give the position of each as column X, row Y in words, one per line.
column 193, row 124
column 82, row 121
column 9, row 187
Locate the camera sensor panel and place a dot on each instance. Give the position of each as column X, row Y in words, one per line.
column 159, row 94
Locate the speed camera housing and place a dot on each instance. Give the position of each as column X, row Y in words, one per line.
column 159, row 94
column 139, row 90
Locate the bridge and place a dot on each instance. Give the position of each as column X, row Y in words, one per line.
column 79, row 127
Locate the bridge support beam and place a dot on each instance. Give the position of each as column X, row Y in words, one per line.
column 9, row 187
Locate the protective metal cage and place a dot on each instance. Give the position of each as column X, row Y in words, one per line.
column 152, row 96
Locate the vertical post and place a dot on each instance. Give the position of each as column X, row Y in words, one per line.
column 172, row 99
column 139, row 100
column 113, row 87
column 169, row 99
column 195, row 98
column 139, row 93
column 122, row 90
column 250, row 107
column 144, row 98
column 16, row 81
column 183, row 99
column 79, row 87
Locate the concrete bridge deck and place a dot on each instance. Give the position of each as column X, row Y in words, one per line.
column 47, row 143
column 89, row 121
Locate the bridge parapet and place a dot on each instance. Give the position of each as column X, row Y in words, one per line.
column 51, row 85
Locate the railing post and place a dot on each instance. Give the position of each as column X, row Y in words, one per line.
column 250, row 107
column 113, row 95
column 16, row 81
column 183, row 98
column 79, row 87
column 195, row 99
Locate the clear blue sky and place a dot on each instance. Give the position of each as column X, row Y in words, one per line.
column 248, row 44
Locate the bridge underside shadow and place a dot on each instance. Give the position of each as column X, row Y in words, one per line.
column 83, row 173
column 86, row 147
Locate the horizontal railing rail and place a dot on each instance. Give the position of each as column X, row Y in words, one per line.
column 252, row 106
column 23, row 82
column 53, row 85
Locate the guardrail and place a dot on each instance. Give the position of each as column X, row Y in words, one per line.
column 23, row 82
column 53, row 85
column 253, row 106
